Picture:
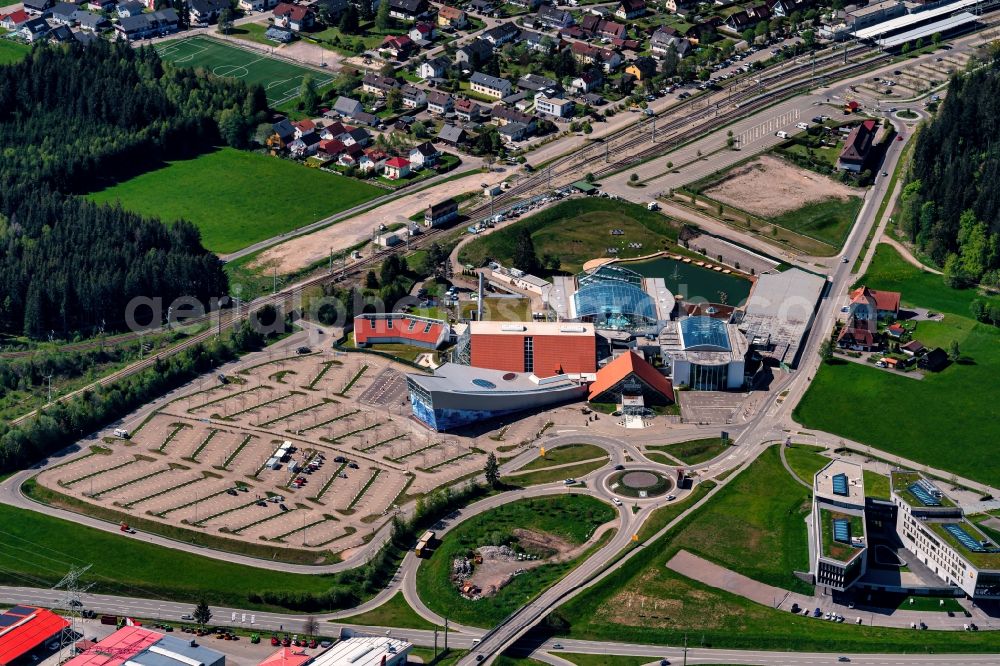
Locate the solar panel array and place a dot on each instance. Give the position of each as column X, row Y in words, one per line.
column 964, row 538
column 841, row 530
column 840, row 485
column 925, row 497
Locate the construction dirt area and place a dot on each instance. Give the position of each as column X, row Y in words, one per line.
column 769, row 187
column 495, row 566
column 306, row 451
column 297, row 253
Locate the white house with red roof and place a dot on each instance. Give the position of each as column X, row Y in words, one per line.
column 294, row 17
column 14, row 20
column 397, row 168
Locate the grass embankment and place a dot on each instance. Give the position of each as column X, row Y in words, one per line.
column 694, row 452
column 570, row 517
column 805, row 461
column 957, row 405
column 828, row 221
column 563, row 455
column 549, row 475
column 211, row 191
column 645, row 602
column 38, row 550
column 393, row 613
column 576, row 231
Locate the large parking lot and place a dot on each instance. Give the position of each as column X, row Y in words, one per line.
column 308, row 451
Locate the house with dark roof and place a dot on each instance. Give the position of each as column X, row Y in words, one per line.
column 935, row 360
column 588, row 54
column 642, row 68
column 205, row 12
column 348, row 107
column 440, row 103
column 60, row 34
column 91, row 21
column 424, row 155
column 409, row 10
column 482, row 6
column 587, row 82
column 276, row 33
column 434, row 68
column 441, row 213
column 376, row 84
column 413, row 97
column 537, row 41
column 294, row 17
column 551, row 17
column 491, row 86
column 130, row 8
column 913, row 348
column 501, row 34
column 513, row 132
column 858, row 147
column 282, row 134
column 63, row 13
column 305, row 146
column 452, row 135
column 36, row 6
column 666, row 38
column 630, row 9
column 33, row 30
column 475, row 53
column 503, row 116
column 538, row 83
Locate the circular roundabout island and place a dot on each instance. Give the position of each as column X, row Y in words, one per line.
column 640, row 483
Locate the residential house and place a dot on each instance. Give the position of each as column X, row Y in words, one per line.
column 306, row 145
column 682, row 7
column 870, row 304
column 92, row 22
column 422, row 33
column 35, row 7
column 587, row 54
column 858, row 147
column 611, row 30
column 294, row 17
column 33, row 30
column 705, row 30
column 474, row 54
column 396, row 168
column 367, row 119
column 85, row 38
column 557, row 107
column 552, row 17
column 538, row 83
column 642, row 68
column 63, row 13
column 131, row 8
column 441, row 213
column 440, row 103
column 935, row 360
column 351, row 156
column 513, row 132
column 537, row 41
column 587, row 82
column 748, row 17
column 490, row 86
column 398, row 46
column 60, row 34
column 413, row 97
column 335, row 131
column 251, row 6
column 501, row 34
column 424, row 155
column 451, row 17
column 503, row 116
column 276, row 33
column 376, row 84
column 485, row 7
column 434, row 68
column 357, row 136
column 530, row 5
column 101, row 5
column 896, row 331
column 373, row 159
column 331, row 147
column 913, row 348
column 467, row 110
column 14, row 20
column 630, row 9
column 452, row 135
column 282, row 134
column 666, row 38
column 205, row 12
column 408, row 10
column 304, row 127
column 348, row 107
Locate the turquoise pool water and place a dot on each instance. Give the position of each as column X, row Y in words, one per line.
column 694, row 283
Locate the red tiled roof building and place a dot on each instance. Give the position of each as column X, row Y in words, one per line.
column 399, row 328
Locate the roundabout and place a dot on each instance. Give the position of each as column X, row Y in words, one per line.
column 640, row 484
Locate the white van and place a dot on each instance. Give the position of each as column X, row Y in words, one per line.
column 802, row 126
column 781, row 134
column 122, row 433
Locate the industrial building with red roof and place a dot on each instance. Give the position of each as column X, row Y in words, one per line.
column 24, row 628
column 544, row 349
column 399, row 328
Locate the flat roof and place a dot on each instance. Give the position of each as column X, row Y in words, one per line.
column 966, row 539
column 117, row 648
column 874, row 8
column 902, row 22
column 363, row 651
column 839, row 532
column 456, row 378
column 780, row 309
column 946, row 25
column 840, row 477
column 915, row 489
column 531, row 328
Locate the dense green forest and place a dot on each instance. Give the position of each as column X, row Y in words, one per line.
column 70, row 119
column 950, row 207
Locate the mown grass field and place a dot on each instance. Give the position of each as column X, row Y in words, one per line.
column 645, row 602
column 948, row 420
column 827, row 221
column 805, row 461
column 38, row 550
column 212, row 191
column 11, row 51
column 693, row 452
column 548, row 475
column 566, row 454
column 393, row 613
column 576, row 231
column 571, row 517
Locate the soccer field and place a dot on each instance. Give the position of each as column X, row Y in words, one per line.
column 281, row 80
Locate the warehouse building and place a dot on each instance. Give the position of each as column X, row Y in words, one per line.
column 136, row 646
column 366, row 651
column 779, row 313
column 544, row 349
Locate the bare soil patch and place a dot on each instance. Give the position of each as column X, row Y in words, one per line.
column 769, row 187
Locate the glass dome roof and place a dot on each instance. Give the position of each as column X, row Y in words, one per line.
column 705, row 333
column 613, row 297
